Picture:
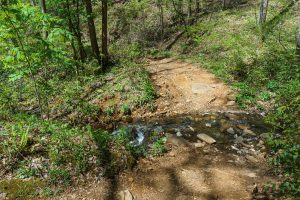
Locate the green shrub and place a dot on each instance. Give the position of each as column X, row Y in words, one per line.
column 286, row 148
column 14, row 140
column 59, row 177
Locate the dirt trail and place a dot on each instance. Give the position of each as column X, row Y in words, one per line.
column 185, row 88
column 185, row 172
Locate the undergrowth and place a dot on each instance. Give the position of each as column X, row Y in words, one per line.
column 265, row 74
column 59, row 155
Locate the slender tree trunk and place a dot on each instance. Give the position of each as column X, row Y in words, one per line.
column 197, row 6
column 298, row 44
column 180, row 15
column 224, row 4
column 161, row 11
column 190, row 9
column 92, row 30
column 104, row 34
column 33, row 3
column 44, row 10
column 74, row 27
column 43, row 6
column 263, row 12
column 78, row 33
column 263, row 17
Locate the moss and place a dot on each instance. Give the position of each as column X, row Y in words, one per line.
column 21, row 189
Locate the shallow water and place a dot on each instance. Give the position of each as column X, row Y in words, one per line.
column 215, row 125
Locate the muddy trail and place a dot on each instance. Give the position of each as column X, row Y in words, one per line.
column 214, row 150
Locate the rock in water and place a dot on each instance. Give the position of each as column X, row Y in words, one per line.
column 248, row 132
column 125, row 195
column 230, row 130
column 206, row 138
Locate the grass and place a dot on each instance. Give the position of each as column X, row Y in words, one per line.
column 21, row 189
column 58, row 154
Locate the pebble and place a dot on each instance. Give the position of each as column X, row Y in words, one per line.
column 230, row 103
column 251, row 174
column 3, row 196
column 260, row 143
column 242, row 126
column 251, row 159
column 231, row 97
column 199, row 144
column 239, row 139
column 208, row 125
column 235, row 148
column 191, row 128
column 230, row 130
column 179, row 134
column 248, row 132
column 206, row 138
column 232, row 116
column 125, row 195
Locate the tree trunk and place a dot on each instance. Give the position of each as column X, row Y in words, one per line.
column 33, row 2
column 197, row 6
column 263, row 12
column 74, row 27
column 161, row 18
column 92, row 30
column 190, row 9
column 104, row 34
column 44, row 10
column 224, row 4
column 43, row 6
column 298, row 44
column 78, row 33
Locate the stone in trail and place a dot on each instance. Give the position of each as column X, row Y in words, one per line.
column 230, row 130
column 248, row 132
column 206, row 138
column 200, row 88
column 125, row 195
column 199, row 144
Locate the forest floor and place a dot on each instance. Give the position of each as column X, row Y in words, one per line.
column 191, row 169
